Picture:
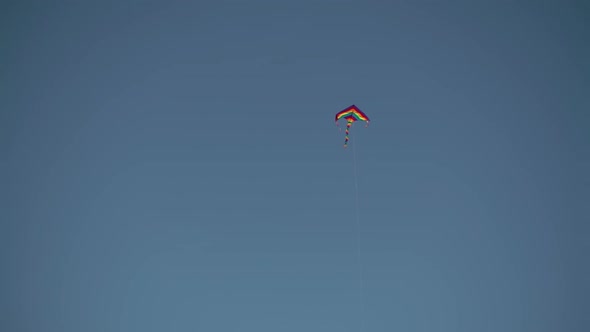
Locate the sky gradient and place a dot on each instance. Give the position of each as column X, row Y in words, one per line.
column 175, row 166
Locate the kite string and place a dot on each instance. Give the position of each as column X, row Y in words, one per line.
column 358, row 231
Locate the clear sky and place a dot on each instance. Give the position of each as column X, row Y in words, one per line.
column 175, row 166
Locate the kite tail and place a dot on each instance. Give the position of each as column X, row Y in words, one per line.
column 347, row 129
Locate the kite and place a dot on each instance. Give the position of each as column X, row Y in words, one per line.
column 351, row 114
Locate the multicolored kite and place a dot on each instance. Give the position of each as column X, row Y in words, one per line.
column 351, row 114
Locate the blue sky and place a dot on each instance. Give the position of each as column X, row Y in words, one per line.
column 174, row 166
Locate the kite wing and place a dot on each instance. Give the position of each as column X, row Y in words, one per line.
column 351, row 114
